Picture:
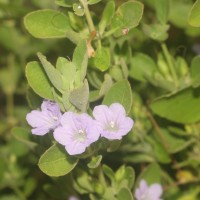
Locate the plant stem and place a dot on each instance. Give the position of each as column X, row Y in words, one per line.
column 87, row 15
column 170, row 63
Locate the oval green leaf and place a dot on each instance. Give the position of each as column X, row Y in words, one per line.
column 47, row 24
column 120, row 93
column 194, row 15
column 56, row 162
column 182, row 107
column 128, row 15
column 38, row 80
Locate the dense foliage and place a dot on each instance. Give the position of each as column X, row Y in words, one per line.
column 93, row 60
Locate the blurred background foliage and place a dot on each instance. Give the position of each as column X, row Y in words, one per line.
column 169, row 139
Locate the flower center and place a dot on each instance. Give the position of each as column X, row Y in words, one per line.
column 112, row 126
column 80, row 135
column 55, row 118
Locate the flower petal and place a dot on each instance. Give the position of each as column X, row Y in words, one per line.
column 40, row 130
column 101, row 113
column 155, row 191
column 125, row 125
column 75, row 148
column 141, row 190
column 61, row 135
column 118, row 109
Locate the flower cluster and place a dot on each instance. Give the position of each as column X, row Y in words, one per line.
column 145, row 192
column 77, row 131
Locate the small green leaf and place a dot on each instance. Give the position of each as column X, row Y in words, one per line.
column 120, row 93
column 162, row 10
column 194, row 15
column 78, row 9
column 47, row 24
column 52, row 73
column 67, row 70
column 141, row 66
column 107, row 16
column 38, row 80
column 152, row 174
column 124, row 193
column 80, row 58
column 34, row 101
column 56, row 162
column 65, row 100
column 159, row 151
column 182, row 107
column 65, row 3
column 102, row 59
column 125, row 173
column 95, row 161
column 109, row 173
column 106, row 85
column 128, row 15
column 91, row 2
column 195, row 71
column 79, row 97
column 156, row 31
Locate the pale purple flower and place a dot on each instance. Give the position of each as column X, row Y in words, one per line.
column 113, row 121
column 77, row 132
column 45, row 120
column 73, row 198
column 145, row 192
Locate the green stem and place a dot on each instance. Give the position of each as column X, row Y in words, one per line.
column 170, row 63
column 87, row 15
column 110, row 32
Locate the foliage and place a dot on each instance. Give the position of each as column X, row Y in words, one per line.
column 143, row 54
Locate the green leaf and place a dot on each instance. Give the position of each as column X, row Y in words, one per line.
column 23, row 135
column 159, row 151
column 108, row 172
column 195, row 71
column 162, row 10
column 194, row 15
column 78, row 9
column 128, row 15
column 152, row 174
column 125, row 173
column 56, row 162
column 52, row 73
column 91, row 2
column 67, row 70
column 141, row 66
column 38, row 80
column 124, row 193
column 156, row 31
column 79, row 97
column 102, row 59
column 95, row 161
column 34, row 101
column 174, row 143
column 47, row 24
column 65, row 3
column 107, row 16
column 106, row 85
column 182, row 107
column 80, row 58
column 120, row 93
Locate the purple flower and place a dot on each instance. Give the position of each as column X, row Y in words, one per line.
column 73, row 198
column 45, row 120
column 77, row 132
column 113, row 121
column 145, row 192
